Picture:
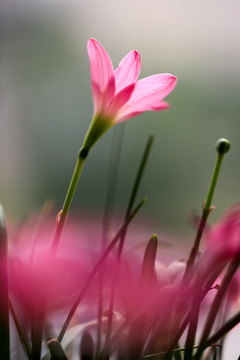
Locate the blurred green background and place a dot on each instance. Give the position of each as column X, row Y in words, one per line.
column 46, row 104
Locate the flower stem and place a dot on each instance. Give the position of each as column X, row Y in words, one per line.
column 229, row 325
column 232, row 268
column 222, row 146
column 23, row 337
column 62, row 215
column 4, row 303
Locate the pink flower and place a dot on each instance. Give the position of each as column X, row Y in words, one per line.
column 37, row 276
column 119, row 95
column 223, row 239
column 222, row 245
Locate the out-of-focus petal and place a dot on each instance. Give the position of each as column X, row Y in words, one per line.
column 148, row 95
column 102, row 75
column 128, row 70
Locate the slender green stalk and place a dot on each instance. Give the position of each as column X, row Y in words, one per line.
column 206, row 286
column 194, row 315
column 96, row 269
column 222, row 146
column 228, row 326
column 133, row 195
column 62, row 215
column 232, row 268
column 21, row 333
column 4, row 304
column 178, row 350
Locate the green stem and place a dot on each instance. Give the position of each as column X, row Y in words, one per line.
column 228, row 326
column 21, row 333
column 232, row 268
column 222, row 146
column 194, row 315
column 62, row 216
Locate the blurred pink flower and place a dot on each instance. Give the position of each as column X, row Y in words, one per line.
column 117, row 95
column 223, row 239
column 37, row 276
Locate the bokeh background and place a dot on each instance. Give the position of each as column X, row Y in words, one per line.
column 46, row 104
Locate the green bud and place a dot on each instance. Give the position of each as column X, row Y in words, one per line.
column 222, row 146
column 147, row 272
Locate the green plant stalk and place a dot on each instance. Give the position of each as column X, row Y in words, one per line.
column 232, row 268
column 132, row 199
column 96, row 269
column 178, row 350
column 228, row 326
column 194, row 315
column 97, row 128
column 4, row 304
column 62, row 215
column 192, row 258
column 222, row 147
column 186, row 321
column 21, row 333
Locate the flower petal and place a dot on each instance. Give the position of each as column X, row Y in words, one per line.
column 148, row 95
column 102, row 75
column 128, row 70
column 120, row 100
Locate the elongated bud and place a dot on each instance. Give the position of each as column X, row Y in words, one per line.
column 4, row 306
column 56, row 350
column 147, row 272
column 87, row 347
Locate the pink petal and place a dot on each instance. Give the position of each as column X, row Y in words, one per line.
column 128, row 70
column 102, row 75
column 120, row 100
column 148, row 95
